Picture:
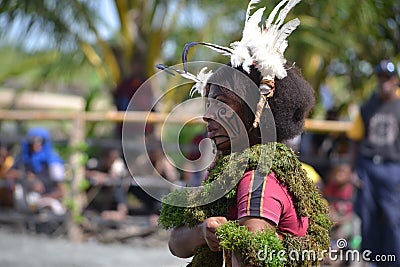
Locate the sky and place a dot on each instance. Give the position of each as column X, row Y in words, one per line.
column 109, row 13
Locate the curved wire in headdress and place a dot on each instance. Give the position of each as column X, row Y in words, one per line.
column 262, row 45
column 200, row 80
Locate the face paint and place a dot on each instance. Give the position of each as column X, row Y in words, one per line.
column 224, row 125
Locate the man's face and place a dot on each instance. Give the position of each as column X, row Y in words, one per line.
column 341, row 174
column 388, row 86
column 224, row 117
column 36, row 146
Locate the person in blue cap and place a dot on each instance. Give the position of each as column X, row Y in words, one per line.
column 377, row 164
column 42, row 168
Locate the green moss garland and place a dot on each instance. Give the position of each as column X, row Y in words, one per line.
column 254, row 249
column 203, row 256
column 227, row 171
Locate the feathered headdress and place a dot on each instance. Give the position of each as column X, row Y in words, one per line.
column 262, row 45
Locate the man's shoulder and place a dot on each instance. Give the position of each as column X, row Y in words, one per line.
column 372, row 101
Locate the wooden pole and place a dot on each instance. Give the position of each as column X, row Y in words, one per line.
column 98, row 116
column 153, row 117
column 77, row 196
column 327, row 126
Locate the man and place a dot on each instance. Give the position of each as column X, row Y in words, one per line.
column 254, row 100
column 42, row 170
column 376, row 133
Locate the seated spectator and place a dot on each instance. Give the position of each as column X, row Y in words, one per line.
column 159, row 164
column 339, row 191
column 6, row 186
column 109, row 174
column 152, row 165
column 41, row 173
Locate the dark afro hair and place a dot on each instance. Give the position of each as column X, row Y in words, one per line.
column 291, row 104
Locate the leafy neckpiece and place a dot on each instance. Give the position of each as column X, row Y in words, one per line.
column 226, row 173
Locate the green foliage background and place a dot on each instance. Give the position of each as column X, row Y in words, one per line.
column 336, row 45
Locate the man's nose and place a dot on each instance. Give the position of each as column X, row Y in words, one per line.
column 209, row 114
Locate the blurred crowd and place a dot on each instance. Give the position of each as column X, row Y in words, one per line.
column 34, row 179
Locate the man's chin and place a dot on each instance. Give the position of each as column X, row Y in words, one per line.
column 222, row 143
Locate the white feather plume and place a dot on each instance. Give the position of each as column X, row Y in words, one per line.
column 226, row 51
column 273, row 13
column 241, row 54
column 284, row 32
column 251, row 28
column 201, row 82
column 264, row 46
column 282, row 15
column 250, row 7
column 189, row 76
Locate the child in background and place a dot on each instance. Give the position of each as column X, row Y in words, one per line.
column 339, row 191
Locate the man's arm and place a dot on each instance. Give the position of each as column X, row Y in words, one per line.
column 184, row 240
column 253, row 224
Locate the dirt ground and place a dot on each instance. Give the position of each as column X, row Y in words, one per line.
column 32, row 250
